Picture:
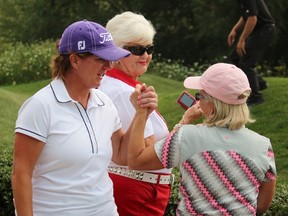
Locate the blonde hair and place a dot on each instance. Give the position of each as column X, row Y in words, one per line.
column 129, row 28
column 226, row 115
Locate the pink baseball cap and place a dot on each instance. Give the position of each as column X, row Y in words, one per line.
column 86, row 36
column 223, row 81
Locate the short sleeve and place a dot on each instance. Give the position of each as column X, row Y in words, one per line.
column 168, row 149
column 250, row 7
column 270, row 175
column 32, row 120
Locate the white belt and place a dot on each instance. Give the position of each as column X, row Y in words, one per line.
column 142, row 176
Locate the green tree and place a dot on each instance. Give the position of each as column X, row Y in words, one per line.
column 186, row 30
column 33, row 20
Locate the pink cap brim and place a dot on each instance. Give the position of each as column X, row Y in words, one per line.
column 193, row 83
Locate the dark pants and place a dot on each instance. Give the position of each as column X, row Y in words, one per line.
column 255, row 46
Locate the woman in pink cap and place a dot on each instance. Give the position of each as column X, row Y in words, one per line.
column 226, row 169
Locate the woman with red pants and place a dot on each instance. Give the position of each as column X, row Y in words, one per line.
column 135, row 192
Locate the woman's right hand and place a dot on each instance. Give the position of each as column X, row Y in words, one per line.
column 134, row 96
column 144, row 97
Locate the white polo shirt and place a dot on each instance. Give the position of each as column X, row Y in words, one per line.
column 70, row 177
column 120, row 92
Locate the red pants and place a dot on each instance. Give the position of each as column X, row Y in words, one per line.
column 138, row 198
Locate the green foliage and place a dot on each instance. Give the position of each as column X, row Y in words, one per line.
column 33, row 20
column 188, row 30
column 11, row 98
column 279, row 206
column 6, row 197
column 178, row 70
column 267, row 69
column 22, row 63
column 175, row 70
column 172, row 205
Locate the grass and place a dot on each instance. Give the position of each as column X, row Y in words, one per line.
column 271, row 116
column 11, row 98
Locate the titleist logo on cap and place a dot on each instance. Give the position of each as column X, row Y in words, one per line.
column 106, row 37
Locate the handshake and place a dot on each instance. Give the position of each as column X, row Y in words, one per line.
column 144, row 98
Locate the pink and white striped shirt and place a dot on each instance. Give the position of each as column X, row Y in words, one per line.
column 220, row 170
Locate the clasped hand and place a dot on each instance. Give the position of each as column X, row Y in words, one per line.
column 144, row 98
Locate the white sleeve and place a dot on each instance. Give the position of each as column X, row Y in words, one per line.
column 32, row 120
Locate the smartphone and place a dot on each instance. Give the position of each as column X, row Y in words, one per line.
column 186, row 100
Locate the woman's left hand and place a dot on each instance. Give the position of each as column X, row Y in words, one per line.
column 144, row 97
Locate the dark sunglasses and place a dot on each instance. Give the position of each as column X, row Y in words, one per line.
column 198, row 96
column 140, row 50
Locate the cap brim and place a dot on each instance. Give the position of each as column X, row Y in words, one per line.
column 113, row 53
column 193, row 82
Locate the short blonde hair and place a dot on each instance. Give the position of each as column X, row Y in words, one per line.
column 129, row 28
column 226, row 115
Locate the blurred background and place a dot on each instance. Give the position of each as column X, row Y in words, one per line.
column 189, row 31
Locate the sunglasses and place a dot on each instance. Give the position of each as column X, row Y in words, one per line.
column 198, row 96
column 140, row 50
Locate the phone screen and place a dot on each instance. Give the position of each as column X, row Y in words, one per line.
column 186, row 100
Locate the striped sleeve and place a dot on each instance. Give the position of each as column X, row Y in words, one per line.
column 168, row 149
column 270, row 175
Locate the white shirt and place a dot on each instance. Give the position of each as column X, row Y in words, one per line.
column 70, row 177
column 120, row 92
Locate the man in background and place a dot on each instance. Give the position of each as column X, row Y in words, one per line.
column 256, row 32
